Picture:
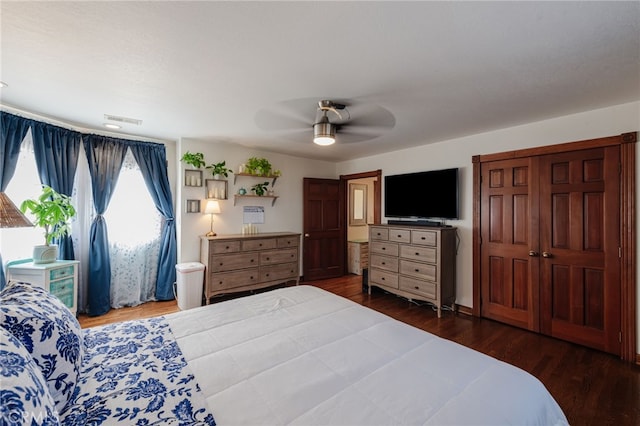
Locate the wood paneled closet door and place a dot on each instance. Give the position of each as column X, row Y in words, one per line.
column 550, row 244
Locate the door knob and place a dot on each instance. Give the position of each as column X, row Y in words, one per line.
column 547, row 255
column 533, row 253
column 306, row 235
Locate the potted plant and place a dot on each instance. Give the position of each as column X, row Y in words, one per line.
column 219, row 169
column 258, row 166
column 52, row 212
column 260, row 188
column 195, row 159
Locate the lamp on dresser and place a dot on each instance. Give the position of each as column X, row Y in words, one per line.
column 10, row 216
column 213, row 207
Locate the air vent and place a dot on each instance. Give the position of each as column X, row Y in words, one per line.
column 122, row 119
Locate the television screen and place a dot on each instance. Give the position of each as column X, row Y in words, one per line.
column 422, row 195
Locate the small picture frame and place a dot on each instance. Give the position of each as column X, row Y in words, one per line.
column 216, row 189
column 192, row 206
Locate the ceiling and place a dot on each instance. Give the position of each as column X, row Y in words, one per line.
column 229, row 71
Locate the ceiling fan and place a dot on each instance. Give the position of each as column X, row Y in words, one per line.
column 329, row 121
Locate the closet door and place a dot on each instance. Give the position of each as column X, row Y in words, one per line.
column 579, row 247
column 509, row 233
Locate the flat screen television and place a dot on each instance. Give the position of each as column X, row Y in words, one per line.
column 423, row 195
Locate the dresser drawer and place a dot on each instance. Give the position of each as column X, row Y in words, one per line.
column 288, row 242
column 379, row 233
column 228, row 280
column 400, row 235
column 230, row 262
column 418, row 270
column 384, row 262
column 63, row 289
column 427, row 238
column 217, row 247
column 282, row 271
column 388, row 279
column 379, row 247
column 422, row 288
column 423, row 254
column 58, row 273
column 278, row 256
column 260, row 244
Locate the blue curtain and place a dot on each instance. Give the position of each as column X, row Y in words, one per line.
column 13, row 129
column 56, row 151
column 105, row 156
column 152, row 160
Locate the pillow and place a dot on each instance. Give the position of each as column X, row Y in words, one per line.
column 24, row 395
column 49, row 331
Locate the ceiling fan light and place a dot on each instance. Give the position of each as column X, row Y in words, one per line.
column 324, row 133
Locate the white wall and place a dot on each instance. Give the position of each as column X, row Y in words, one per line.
column 458, row 152
column 284, row 215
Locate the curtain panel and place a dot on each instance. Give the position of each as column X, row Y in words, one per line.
column 152, row 160
column 56, row 151
column 104, row 156
column 13, row 129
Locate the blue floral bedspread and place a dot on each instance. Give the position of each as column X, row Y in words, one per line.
column 134, row 373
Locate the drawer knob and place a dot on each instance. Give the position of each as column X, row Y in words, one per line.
column 417, row 254
column 382, row 279
column 384, row 248
column 417, row 270
column 268, row 258
column 384, row 263
column 416, row 287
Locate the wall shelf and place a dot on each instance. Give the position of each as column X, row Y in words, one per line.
column 192, row 177
column 237, row 196
column 272, row 177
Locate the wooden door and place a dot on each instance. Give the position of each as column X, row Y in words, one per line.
column 580, row 247
column 509, row 234
column 324, row 230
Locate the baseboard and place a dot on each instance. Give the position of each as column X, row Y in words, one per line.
column 465, row 310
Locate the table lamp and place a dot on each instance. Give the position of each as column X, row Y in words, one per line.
column 10, row 215
column 212, row 207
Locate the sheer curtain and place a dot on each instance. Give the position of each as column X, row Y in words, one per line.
column 134, row 238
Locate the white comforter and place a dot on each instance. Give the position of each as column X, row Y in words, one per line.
column 301, row 355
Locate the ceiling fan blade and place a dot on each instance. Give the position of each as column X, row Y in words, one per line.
column 274, row 120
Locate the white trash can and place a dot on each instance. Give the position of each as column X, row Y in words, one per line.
column 189, row 281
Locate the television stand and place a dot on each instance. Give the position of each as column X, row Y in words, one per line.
column 415, row 222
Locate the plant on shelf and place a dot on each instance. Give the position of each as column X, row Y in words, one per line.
column 258, row 166
column 52, row 212
column 260, row 188
column 195, row 159
column 219, row 169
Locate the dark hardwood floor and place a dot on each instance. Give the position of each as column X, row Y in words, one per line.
column 592, row 387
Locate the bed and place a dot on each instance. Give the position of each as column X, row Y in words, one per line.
column 295, row 355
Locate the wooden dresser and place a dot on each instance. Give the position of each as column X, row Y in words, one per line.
column 239, row 262
column 358, row 256
column 415, row 262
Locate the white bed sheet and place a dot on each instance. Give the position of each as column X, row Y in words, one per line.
column 302, row 355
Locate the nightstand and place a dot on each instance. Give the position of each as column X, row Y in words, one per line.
column 60, row 278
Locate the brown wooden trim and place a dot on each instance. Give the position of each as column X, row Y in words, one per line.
column 477, row 302
column 377, row 189
column 628, row 248
column 555, row 149
column 464, row 310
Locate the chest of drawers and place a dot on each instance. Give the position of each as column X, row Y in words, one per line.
column 60, row 278
column 238, row 262
column 414, row 262
column 358, row 256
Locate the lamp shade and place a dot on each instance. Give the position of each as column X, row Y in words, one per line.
column 10, row 216
column 212, row 207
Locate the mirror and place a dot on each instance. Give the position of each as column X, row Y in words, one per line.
column 357, row 204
